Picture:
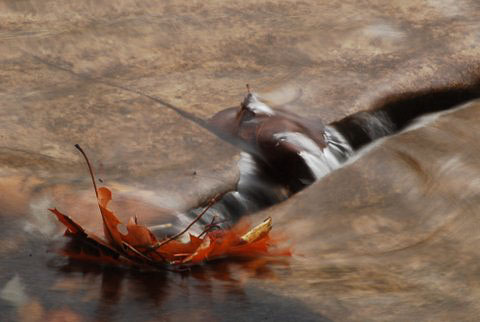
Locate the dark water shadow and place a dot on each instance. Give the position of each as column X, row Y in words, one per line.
column 221, row 290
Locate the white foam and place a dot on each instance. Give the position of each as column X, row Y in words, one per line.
column 185, row 220
column 248, row 168
column 39, row 220
column 258, row 107
column 318, row 164
column 383, row 30
column 337, row 144
column 285, row 94
column 14, row 291
column 320, row 161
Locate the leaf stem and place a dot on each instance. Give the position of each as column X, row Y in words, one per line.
column 166, row 241
column 89, row 168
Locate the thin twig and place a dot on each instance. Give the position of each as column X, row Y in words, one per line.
column 106, row 229
column 208, row 227
column 89, row 168
column 166, row 241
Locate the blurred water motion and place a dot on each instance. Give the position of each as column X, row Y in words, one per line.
column 391, row 236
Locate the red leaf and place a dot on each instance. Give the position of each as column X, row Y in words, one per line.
column 202, row 252
column 136, row 246
column 110, row 221
column 138, row 235
column 72, row 227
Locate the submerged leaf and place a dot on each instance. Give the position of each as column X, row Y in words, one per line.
column 138, row 235
column 140, row 246
column 201, row 253
column 72, row 227
column 110, row 221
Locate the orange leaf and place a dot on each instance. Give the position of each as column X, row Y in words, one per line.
column 171, row 250
column 202, row 252
column 134, row 247
column 223, row 244
column 91, row 246
column 138, row 235
column 104, row 196
column 110, row 221
column 72, row 227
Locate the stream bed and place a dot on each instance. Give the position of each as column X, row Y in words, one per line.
column 392, row 235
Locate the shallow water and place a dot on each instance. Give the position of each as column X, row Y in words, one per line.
column 390, row 236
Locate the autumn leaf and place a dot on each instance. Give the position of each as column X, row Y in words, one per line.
column 138, row 236
column 140, row 247
column 72, row 227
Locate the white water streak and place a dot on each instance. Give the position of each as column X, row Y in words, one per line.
column 320, row 161
column 14, row 292
column 258, row 107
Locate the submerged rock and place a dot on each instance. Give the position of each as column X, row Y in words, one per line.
column 388, row 237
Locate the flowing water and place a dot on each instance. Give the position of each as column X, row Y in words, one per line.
column 215, row 291
column 387, row 232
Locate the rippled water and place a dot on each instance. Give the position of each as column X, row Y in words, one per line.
column 39, row 283
column 391, row 235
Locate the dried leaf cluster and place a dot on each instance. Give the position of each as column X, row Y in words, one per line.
column 140, row 247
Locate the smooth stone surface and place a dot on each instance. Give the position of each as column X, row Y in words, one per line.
column 64, row 66
column 398, row 242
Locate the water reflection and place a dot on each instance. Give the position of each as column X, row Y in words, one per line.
column 106, row 293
